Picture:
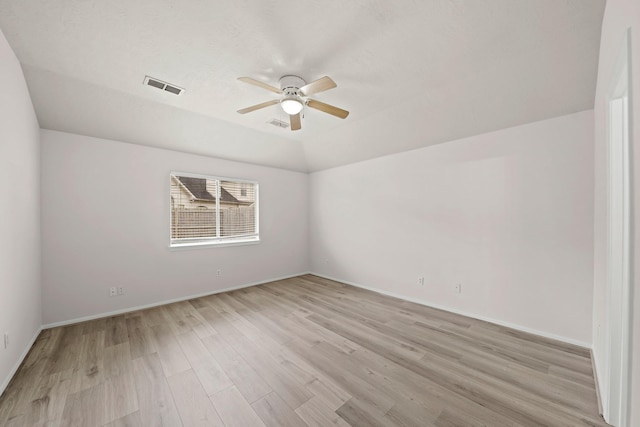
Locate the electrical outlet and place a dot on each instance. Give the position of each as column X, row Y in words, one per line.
column 112, row 291
column 421, row 281
column 120, row 290
column 6, row 339
column 219, row 273
column 457, row 288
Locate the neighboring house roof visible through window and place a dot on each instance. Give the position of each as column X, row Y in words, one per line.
column 198, row 188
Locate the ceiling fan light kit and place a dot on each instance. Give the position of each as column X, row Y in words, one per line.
column 295, row 94
column 291, row 105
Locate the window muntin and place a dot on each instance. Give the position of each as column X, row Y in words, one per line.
column 210, row 210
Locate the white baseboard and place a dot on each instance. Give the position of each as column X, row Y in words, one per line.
column 159, row 303
column 15, row 368
column 463, row 313
column 595, row 379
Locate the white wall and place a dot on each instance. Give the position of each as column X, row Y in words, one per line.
column 619, row 15
column 20, row 304
column 105, row 222
column 507, row 214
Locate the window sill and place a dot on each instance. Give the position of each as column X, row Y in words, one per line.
column 214, row 244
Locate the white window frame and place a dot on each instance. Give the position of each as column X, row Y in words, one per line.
column 215, row 241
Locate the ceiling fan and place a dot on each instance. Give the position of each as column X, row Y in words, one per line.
column 295, row 95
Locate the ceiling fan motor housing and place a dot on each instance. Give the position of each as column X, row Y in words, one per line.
column 291, row 85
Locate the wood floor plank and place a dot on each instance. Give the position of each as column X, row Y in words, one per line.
column 193, row 404
column 89, row 371
column 120, row 397
column 141, row 339
column 462, row 418
column 316, row 414
column 228, row 302
column 413, row 391
column 249, row 299
column 64, row 355
column 273, row 373
column 232, row 322
column 276, row 305
column 209, row 372
column 179, row 317
column 234, row 409
column 244, row 377
column 85, row 408
column 332, row 395
column 375, row 400
column 300, row 351
column 171, row 355
column 157, row 407
column 362, row 334
column 274, row 412
column 131, row 420
column 388, row 378
column 266, row 326
column 13, row 402
column 115, row 331
column 153, row 316
column 572, row 376
column 409, row 414
column 117, row 360
column 97, row 325
column 16, row 399
column 322, row 334
column 464, row 344
column 357, row 414
column 49, row 399
column 18, row 421
column 531, row 354
column 202, row 327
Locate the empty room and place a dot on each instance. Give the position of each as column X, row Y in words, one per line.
column 314, row 213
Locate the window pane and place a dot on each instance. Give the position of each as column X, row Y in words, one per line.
column 237, row 208
column 198, row 201
column 193, row 210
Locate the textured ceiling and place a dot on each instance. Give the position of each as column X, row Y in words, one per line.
column 412, row 73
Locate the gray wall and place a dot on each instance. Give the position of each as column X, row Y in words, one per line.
column 20, row 304
column 507, row 214
column 105, row 222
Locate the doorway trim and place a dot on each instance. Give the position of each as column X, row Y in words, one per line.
column 619, row 273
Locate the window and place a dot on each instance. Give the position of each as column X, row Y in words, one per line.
column 209, row 210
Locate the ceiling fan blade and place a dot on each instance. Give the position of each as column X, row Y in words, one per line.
column 320, row 85
column 326, row 108
column 259, row 84
column 258, row 106
column 296, row 124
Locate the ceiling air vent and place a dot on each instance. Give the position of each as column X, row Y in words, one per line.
column 278, row 123
column 150, row 81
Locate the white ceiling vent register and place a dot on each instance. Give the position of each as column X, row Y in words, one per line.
column 152, row 81
column 278, row 123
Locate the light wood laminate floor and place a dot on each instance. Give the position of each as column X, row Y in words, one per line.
column 297, row 352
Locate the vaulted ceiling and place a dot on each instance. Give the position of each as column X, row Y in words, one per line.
column 412, row 73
